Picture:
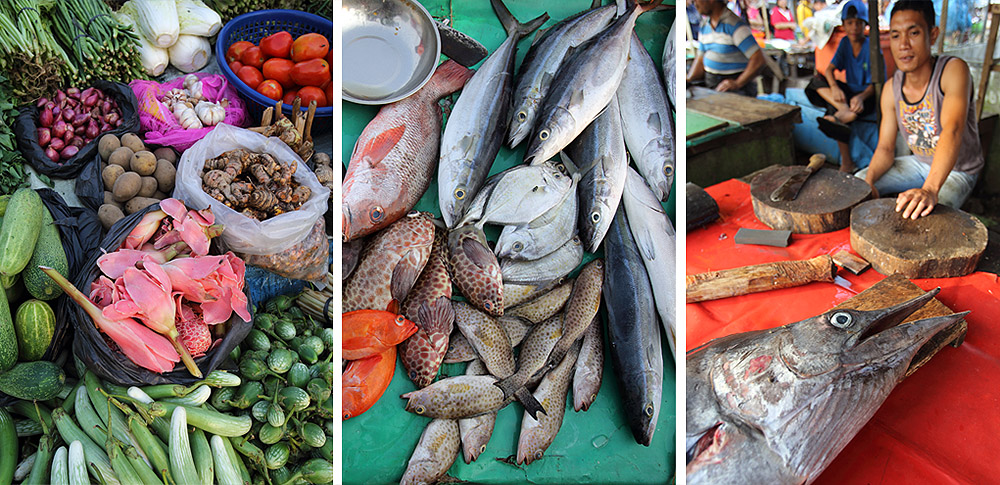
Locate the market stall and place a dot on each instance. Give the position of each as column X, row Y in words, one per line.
column 591, row 446
column 912, row 437
column 179, row 273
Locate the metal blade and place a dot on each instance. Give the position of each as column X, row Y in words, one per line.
column 789, row 189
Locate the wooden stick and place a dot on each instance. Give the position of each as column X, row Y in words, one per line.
column 309, row 121
column 761, row 277
column 296, row 107
column 300, row 124
column 265, row 119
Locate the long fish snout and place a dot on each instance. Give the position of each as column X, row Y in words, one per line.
column 901, row 340
column 874, row 322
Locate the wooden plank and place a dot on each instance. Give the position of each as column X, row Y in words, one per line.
column 742, row 110
column 823, row 205
column 897, row 289
column 699, row 124
column 854, row 264
column 943, row 244
column 714, row 285
column 763, row 237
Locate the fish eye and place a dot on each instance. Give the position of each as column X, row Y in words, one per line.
column 459, row 193
column 487, row 305
column 538, row 454
column 521, row 116
column 419, row 410
column 543, row 135
column 347, row 415
column 599, row 264
column 561, row 168
column 517, row 246
column 413, row 374
column 376, row 214
column 841, row 319
column 649, row 410
column 595, row 217
column 576, row 239
column 400, row 319
column 668, row 170
column 482, row 449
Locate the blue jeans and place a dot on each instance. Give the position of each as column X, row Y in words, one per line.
column 909, row 173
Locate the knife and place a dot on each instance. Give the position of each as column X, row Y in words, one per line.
column 789, row 189
column 460, row 47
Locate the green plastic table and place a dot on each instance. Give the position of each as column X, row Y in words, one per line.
column 595, row 446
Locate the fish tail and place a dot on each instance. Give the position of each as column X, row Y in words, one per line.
column 449, row 77
column 510, row 385
column 512, row 25
column 531, row 405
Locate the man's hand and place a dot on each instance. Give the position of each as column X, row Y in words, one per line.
column 916, row 203
column 874, row 190
column 838, row 94
column 857, row 105
column 727, row 85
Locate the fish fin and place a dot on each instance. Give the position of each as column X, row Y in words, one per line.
column 531, row 405
column 595, row 4
column 512, row 25
column 510, row 385
column 383, row 143
column 644, row 241
column 571, row 168
column 403, row 277
column 651, row 5
column 479, row 254
column 438, row 315
column 393, row 306
column 539, row 35
column 622, row 6
column 654, row 122
column 576, row 99
column 449, row 77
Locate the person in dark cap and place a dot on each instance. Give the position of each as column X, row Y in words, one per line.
column 846, row 101
column 929, row 100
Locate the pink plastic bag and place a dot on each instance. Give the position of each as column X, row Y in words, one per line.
column 160, row 126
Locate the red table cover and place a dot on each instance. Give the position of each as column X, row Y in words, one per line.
column 939, row 426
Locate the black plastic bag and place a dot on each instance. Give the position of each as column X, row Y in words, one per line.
column 80, row 233
column 107, row 361
column 25, row 130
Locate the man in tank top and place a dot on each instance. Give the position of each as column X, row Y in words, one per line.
column 930, row 100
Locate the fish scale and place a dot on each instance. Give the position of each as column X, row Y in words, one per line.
column 474, row 269
column 535, row 351
column 552, row 266
column 435, row 453
column 460, row 350
column 394, row 157
column 487, row 337
column 537, row 434
column 476, row 432
column 580, row 309
column 457, row 397
column 589, row 367
column 546, row 305
column 390, row 263
column 423, row 352
column 543, row 235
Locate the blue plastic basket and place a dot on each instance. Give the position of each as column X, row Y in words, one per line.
column 253, row 27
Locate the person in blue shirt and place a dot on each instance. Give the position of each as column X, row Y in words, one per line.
column 846, row 101
column 728, row 55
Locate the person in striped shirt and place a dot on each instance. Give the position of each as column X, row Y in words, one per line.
column 728, row 56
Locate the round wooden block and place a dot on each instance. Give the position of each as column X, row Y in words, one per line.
column 946, row 243
column 823, row 205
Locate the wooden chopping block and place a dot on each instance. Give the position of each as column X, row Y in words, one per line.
column 823, row 205
column 946, row 243
column 897, row 289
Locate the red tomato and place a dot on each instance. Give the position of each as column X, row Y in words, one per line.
column 235, row 66
column 309, row 93
column 313, row 72
column 253, row 57
column 277, row 45
column 280, row 70
column 271, row 89
column 328, row 91
column 251, row 76
column 290, row 96
column 309, row 46
column 235, row 51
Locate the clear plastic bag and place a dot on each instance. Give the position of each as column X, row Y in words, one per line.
column 243, row 234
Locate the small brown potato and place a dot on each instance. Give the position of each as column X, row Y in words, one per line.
column 160, row 195
column 110, row 175
column 109, row 198
column 148, row 187
column 143, row 163
column 133, row 141
column 165, row 175
column 108, row 144
column 166, row 153
column 121, row 157
column 127, row 186
column 109, row 214
column 138, row 203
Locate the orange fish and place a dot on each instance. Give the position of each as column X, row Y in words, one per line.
column 370, row 332
column 396, row 154
column 364, row 381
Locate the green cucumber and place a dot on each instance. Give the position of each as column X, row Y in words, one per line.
column 48, row 252
column 78, row 464
column 33, row 381
column 202, row 453
column 34, row 325
column 8, row 336
column 60, row 467
column 225, row 470
column 181, row 461
column 22, row 223
column 8, row 447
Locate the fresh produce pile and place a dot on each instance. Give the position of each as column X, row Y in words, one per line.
column 283, row 68
column 74, row 118
column 171, row 31
column 528, row 329
column 134, row 177
column 97, row 44
column 12, row 173
column 232, row 8
column 255, row 184
column 190, row 107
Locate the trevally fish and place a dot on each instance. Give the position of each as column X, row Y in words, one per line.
column 600, row 153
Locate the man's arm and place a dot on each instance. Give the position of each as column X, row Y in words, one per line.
column 838, row 94
column 954, row 108
column 857, row 104
column 885, row 151
column 697, row 68
column 753, row 66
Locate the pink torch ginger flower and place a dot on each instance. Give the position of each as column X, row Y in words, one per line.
column 150, row 291
column 141, row 233
column 141, row 345
column 227, row 284
column 194, row 333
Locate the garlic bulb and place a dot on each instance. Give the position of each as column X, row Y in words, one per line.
column 210, row 114
column 193, row 87
column 186, row 116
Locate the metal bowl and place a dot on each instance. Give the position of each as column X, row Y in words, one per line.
column 390, row 49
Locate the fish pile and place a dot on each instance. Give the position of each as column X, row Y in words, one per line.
column 778, row 405
column 526, row 328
